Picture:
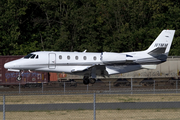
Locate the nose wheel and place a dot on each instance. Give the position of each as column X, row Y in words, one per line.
column 19, row 76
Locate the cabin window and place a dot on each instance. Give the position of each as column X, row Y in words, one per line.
column 94, row 58
column 84, row 57
column 37, row 57
column 60, row 57
column 68, row 57
column 129, row 56
column 76, row 57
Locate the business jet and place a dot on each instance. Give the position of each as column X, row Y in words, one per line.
column 91, row 65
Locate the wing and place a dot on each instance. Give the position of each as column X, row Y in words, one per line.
column 92, row 71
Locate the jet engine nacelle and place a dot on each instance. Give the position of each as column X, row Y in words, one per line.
column 113, row 58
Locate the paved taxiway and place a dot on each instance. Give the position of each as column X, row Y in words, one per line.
column 89, row 106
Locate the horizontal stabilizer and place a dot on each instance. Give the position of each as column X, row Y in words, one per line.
column 149, row 66
column 157, row 51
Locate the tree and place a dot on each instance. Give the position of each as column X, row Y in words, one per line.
column 66, row 25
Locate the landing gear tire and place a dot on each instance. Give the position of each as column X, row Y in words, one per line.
column 18, row 78
column 92, row 80
column 86, row 80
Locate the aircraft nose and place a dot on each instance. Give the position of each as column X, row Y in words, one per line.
column 8, row 65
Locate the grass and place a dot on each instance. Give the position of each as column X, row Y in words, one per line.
column 144, row 114
column 81, row 114
column 88, row 98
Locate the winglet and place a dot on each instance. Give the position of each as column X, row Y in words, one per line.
column 84, row 51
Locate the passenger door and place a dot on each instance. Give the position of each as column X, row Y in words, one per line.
column 52, row 60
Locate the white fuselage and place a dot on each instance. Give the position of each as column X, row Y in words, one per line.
column 72, row 62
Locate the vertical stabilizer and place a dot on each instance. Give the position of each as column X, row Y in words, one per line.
column 162, row 43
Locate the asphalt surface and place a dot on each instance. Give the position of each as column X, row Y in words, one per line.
column 89, row 106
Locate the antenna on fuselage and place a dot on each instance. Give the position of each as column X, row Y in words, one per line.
column 84, row 51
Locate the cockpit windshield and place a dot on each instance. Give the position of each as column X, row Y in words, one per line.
column 28, row 56
column 31, row 56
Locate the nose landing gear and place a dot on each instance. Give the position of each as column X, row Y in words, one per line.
column 19, row 77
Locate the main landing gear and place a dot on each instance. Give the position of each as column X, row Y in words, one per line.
column 87, row 80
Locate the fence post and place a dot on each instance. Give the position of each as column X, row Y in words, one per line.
column 87, row 87
column 64, row 87
column 154, row 86
column 19, row 87
column 109, row 86
column 176, row 86
column 42, row 87
column 4, row 108
column 131, row 86
column 94, row 106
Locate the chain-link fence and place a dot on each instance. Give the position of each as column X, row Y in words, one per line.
column 99, row 86
column 97, row 106
column 123, row 99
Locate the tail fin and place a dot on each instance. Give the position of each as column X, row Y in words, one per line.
column 162, row 43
